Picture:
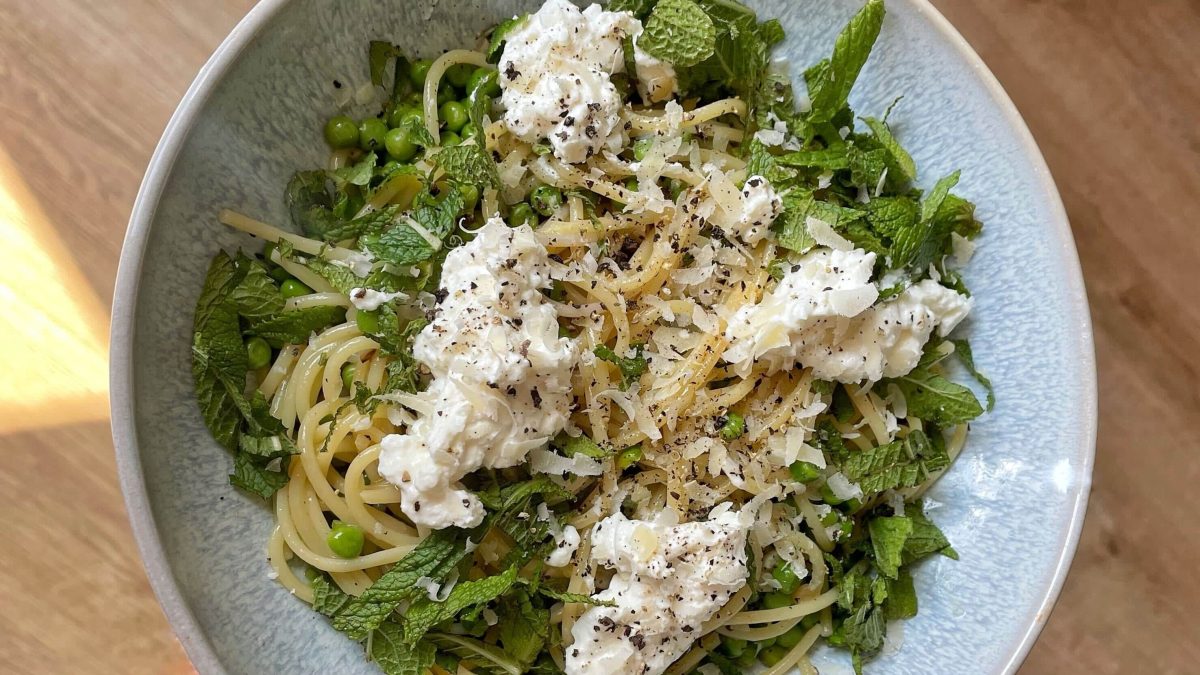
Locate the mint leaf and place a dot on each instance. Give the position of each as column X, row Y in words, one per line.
column 309, row 203
column 574, row 597
column 218, row 354
column 395, row 656
column 862, row 236
column 434, row 557
column 739, row 59
column 500, row 36
column 395, row 336
column 910, row 241
column 379, row 55
column 483, row 658
column 901, row 598
column 863, row 633
column 926, row 538
column 468, row 163
column 580, row 445
column 679, row 32
column 631, row 368
column 760, row 162
column 890, row 216
column 423, row 614
column 400, row 244
column 829, row 83
column 888, row 535
column 828, row 159
column 866, row 166
column 359, row 174
column 375, row 221
column 256, row 295
column 900, row 164
column 934, row 398
column 639, row 8
column 342, row 278
column 328, row 599
column 249, row 475
column 404, row 371
column 266, row 448
column 295, row 326
column 963, row 349
column 524, row 628
column 771, row 32
column 899, row 464
column 799, row 205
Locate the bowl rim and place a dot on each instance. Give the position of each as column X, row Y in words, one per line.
column 121, row 358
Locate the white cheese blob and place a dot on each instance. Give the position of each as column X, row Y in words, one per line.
column 565, row 544
column 369, row 299
column 656, row 80
column 760, row 207
column 669, row 579
column 555, row 75
column 502, row 377
column 821, row 316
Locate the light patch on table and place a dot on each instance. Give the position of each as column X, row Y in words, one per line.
column 53, row 330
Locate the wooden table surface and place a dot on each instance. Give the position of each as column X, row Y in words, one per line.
column 1110, row 88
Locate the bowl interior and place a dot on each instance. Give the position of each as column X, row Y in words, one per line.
column 1011, row 506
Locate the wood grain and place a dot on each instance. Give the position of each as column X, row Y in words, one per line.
column 1110, row 89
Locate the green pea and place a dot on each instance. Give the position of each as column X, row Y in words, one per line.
column 734, row 426
column 460, row 74
column 370, row 133
column 258, row 353
column 791, row 638
column 629, row 456
column 545, row 199
column 764, row 644
column 804, row 472
column 450, row 138
column 418, row 71
column 641, row 147
column 675, row 187
column 777, row 600
column 788, row 581
column 368, row 322
column 485, row 78
column 733, row 646
column 399, row 145
column 279, row 274
column 522, row 214
column 341, row 132
column 631, row 183
column 348, row 372
column 446, row 93
column 830, row 518
column 414, row 100
column 293, row 289
column 454, row 114
column 746, row 659
column 345, row 540
column 469, row 130
column 470, row 195
column 772, row 655
column 402, row 113
column 311, row 573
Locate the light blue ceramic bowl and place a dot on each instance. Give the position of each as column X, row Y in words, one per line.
column 1013, row 505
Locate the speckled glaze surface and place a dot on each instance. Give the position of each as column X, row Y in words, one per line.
column 1012, row 506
